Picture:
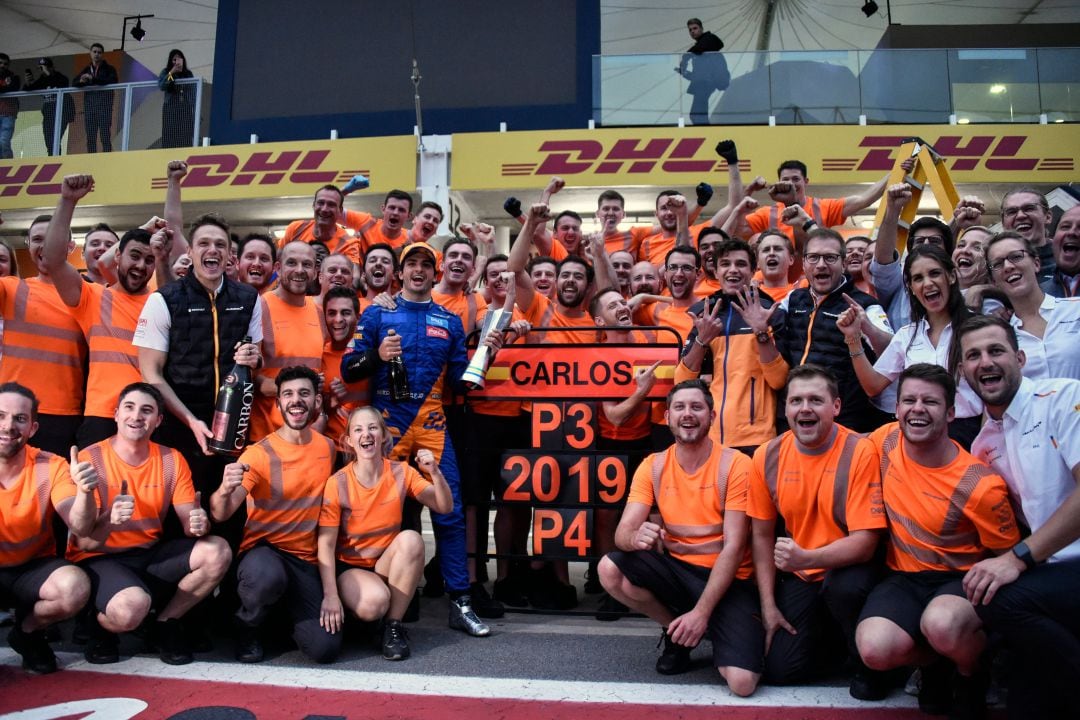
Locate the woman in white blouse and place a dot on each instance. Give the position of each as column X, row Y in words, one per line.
column 937, row 306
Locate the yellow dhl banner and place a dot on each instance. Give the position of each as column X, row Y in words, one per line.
column 228, row 172
column 834, row 155
column 593, row 372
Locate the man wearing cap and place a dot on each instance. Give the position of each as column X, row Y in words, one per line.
column 430, row 340
column 50, row 79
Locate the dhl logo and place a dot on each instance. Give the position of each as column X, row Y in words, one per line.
column 35, row 178
column 629, row 155
column 293, row 167
column 296, row 167
column 995, row 153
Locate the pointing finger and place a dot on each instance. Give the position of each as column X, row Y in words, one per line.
column 854, row 305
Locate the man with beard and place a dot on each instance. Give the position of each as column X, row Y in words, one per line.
column 707, row 241
column 821, row 481
column 282, row 479
column 431, row 343
column 700, row 585
column 811, row 335
column 43, row 346
column 622, row 263
column 336, row 270
column 644, row 279
column 1065, row 282
column 380, row 269
column 733, row 340
column 189, row 335
column 945, row 510
column 292, row 333
column 1025, row 210
column 341, row 309
column 125, row 551
column 1030, row 594
column 671, row 215
column 107, row 316
column 257, row 258
column 37, row 485
column 100, row 238
column 572, row 281
column 326, row 225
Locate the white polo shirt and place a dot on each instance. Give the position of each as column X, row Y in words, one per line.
column 1057, row 353
column 1035, row 447
column 911, row 344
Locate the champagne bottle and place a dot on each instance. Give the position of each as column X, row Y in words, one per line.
column 399, row 379
column 232, row 413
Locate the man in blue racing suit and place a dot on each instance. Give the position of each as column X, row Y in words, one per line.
column 431, row 342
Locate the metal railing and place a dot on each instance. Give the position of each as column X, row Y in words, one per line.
column 123, row 116
column 1002, row 85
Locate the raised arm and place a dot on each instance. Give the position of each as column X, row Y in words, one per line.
column 58, row 239
column 174, row 215
column 518, row 257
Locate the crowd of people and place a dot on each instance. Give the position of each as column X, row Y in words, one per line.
column 869, row 455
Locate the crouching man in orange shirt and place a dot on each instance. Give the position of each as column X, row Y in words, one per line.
column 34, row 484
column 125, row 553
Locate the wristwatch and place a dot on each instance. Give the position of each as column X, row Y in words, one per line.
column 1021, row 551
column 806, row 225
column 763, row 337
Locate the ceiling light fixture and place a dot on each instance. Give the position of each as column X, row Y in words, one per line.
column 869, row 8
column 137, row 32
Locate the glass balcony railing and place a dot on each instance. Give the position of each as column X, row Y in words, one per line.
column 839, row 87
column 124, row 116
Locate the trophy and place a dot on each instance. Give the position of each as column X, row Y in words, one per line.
column 495, row 320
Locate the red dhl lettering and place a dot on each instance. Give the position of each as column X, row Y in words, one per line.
column 630, row 155
column 263, row 168
column 19, row 177
column 995, row 153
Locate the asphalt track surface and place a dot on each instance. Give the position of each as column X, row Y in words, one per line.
column 532, row 666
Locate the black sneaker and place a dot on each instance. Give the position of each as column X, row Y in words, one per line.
column 483, row 604
column 395, row 641
column 610, row 609
column 870, row 685
column 509, row 593
column 936, row 687
column 249, row 648
column 103, row 647
column 592, row 580
column 675, row 659
column 969, row 700
column 172, row 642
column 37, row 656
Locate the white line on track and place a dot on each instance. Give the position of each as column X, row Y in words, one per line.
column 474, row 687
